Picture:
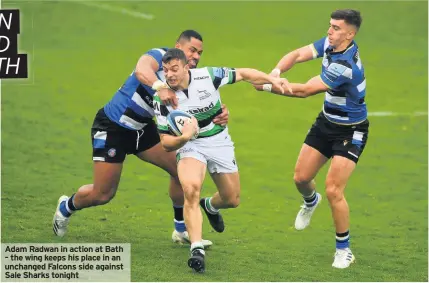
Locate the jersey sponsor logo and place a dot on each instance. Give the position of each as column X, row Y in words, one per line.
column 334, row 71
column 186, row 150
column 201, row 110
column 203, row 94
column 201, row 78
column 357, row 56
column 148, row 99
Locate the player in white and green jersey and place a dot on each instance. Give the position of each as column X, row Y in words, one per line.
column 197, row 91
column 201, row 99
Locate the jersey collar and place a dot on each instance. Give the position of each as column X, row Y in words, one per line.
column 342, row 51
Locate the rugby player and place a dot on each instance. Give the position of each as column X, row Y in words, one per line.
column 340, row 131
column 125, row 126
column 197, row 92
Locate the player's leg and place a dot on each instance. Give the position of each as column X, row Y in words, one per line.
column 339, row 172
column 150, row 150
column 349, row 145
column 227, row 196
column 224, row 172
column 191, row 174
column 106, row 181
column 108, row 155
column 314, row 153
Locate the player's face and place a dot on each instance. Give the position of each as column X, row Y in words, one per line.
column 339, row 31
column 175, row 72
column 193, row 50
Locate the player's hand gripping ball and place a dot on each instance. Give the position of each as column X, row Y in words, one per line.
column 176, row 120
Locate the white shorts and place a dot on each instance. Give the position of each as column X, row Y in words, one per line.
column 217, row 152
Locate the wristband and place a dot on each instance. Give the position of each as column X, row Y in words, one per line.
column 267, row 87
column 158, row 85
column 276, row 71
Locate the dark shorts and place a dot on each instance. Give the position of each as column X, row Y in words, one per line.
column 332, row 139
column 112, row 143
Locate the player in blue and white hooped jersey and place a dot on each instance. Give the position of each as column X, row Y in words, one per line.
column 125, row 126
column 341, row 129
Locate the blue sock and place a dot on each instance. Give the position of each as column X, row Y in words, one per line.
column 63, row 209
column 67, row 207
column 343, row 240
column 179, row 226
column 179, row 223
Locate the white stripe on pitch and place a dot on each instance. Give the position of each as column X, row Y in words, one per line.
column 390, row 114
column 115, row 9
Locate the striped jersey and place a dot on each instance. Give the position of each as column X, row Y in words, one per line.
column 343, row 73
column 132, row 105
column 201, row 99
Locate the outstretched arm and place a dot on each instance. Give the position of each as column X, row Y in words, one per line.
column 313, row 86
column 257, row 77
column 299, row 55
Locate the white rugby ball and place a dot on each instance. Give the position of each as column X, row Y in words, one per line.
column 176, row 120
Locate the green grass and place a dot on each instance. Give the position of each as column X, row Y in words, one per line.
column 79, row 56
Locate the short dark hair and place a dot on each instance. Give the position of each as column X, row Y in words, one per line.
column 351, row 17
column 174, row 53
column 188, row 34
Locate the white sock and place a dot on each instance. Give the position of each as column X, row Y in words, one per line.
column 197, row 245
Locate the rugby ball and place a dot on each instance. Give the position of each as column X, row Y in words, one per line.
column 176, row 120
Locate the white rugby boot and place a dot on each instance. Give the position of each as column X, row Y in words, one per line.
column 343, row 258
column 60, row 222
column 304, row 215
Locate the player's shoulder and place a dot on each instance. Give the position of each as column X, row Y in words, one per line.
column 321, row 45
column 157, row 51
column 200, row 73
column 208, row 73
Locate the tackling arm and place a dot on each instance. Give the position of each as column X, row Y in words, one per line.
column 146, row 68
column 313, row 86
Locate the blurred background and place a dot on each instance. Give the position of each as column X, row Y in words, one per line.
column 80, row 53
